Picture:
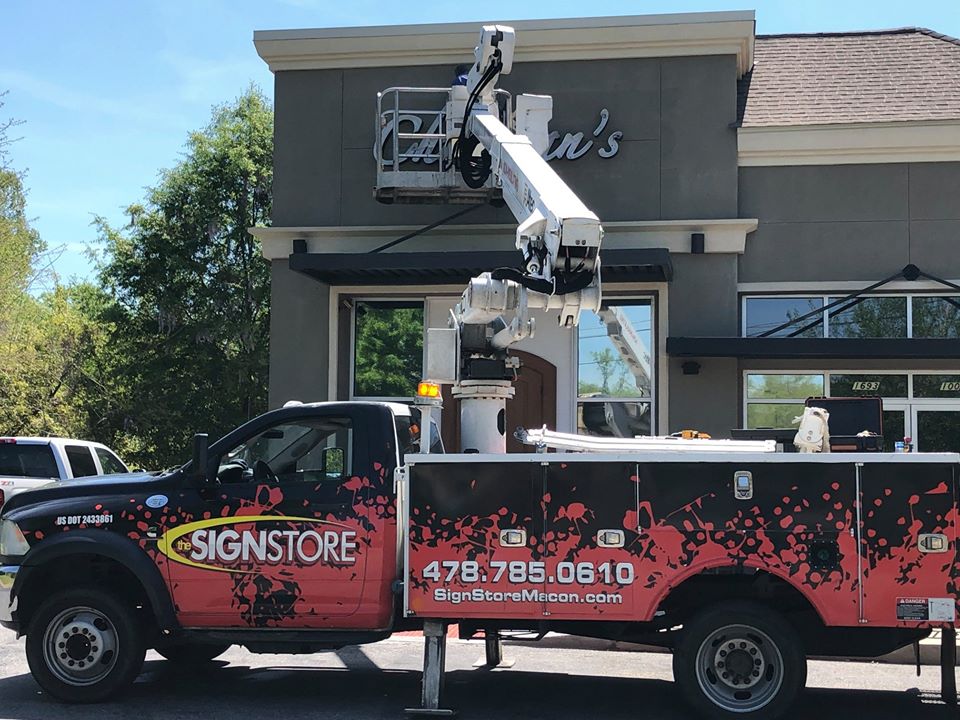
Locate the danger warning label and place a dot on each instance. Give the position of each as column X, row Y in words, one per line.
column 930, row 609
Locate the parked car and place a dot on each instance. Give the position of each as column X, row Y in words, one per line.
column 29, row 462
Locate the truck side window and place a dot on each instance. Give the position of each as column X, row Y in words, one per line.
column 409, row 431
column 311, row 450
column 109, row 462
column 81, row 461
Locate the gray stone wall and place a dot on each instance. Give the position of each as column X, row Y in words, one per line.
column 703, row 301
column 850, row 222
column 677, row 155
column 299, row 336
column 676, row 160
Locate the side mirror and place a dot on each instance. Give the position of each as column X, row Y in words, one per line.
column 200, row 458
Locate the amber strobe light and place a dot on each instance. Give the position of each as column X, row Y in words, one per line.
column 428, row 390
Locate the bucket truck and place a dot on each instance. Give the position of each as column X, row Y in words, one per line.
column 316, row 526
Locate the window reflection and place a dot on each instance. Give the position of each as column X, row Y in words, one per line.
column 936, row 317
column 615, row 370
column 388, row 349
column 871, row 317
column 614, row 351
column 764, row 314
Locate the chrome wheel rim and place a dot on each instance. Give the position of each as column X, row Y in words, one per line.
column 80, row 646
column 739, row 668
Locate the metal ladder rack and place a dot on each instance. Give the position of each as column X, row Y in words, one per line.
column 543, row 438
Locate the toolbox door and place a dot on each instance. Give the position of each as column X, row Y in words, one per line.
column 591, row 539
column 475, row 538
column 908, row 541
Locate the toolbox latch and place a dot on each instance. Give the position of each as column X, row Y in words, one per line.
column 933, row 543
column 513, row 537
column 610, row 538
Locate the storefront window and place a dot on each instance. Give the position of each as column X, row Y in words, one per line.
column 615, row 369
column 923, row 406
column 878, row 316
column 387, row 349
column 868, row 385
column 784, row 387
column 773, row 415
column 765, row 314
column 936, row 317
column 936, row 386
column 871, row 317
column 774, row 400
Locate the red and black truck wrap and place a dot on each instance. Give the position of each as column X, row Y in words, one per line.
column 314, row 527
column 571, row 536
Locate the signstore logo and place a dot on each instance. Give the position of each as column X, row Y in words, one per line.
column 259, row 540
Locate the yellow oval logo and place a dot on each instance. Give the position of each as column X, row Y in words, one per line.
column 214, row 545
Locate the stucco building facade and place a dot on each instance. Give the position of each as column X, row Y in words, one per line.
column 745, row 183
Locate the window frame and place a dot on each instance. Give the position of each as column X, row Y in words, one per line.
column 827, row 297
column 623, row 298
column 889, row 402
column 356, row 454
column 97, row 449
column 352, row 360
column 93, row 460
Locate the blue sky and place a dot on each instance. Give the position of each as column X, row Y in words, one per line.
column 109, row 89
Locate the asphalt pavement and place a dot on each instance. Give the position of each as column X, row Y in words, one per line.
column 378, row 681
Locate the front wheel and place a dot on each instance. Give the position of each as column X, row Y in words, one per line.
column 84, row 646
column 739, row 660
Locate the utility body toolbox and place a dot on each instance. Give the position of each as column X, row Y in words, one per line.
column 610, row 537
column 850, row 416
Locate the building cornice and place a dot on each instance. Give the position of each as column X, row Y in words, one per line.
column 931, row 141
column 720, row 236
column 599, row 38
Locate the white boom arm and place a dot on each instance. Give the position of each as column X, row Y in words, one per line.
column 557, row 234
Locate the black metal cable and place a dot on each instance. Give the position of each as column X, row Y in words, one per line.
column 424, row 229
column 910, row 272
column 828, row 306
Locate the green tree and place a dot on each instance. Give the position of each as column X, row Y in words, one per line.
column 43, row 340
column 186, row 296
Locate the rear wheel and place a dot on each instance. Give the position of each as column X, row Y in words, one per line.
column 84, row 645
column 192, row 653
column 739, row 659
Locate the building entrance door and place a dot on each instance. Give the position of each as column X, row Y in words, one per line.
column 534, row 404
column 936, row 428
column 896, row 423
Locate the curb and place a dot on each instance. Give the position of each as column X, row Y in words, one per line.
column 929, row 649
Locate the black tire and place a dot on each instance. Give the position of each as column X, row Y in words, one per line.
column 69, row 629
column 767, row 666
column 192, row 653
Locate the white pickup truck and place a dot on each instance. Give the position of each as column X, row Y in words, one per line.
column 29, row 462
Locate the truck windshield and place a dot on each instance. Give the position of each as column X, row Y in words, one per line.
column 30, row 461
column 408, row 434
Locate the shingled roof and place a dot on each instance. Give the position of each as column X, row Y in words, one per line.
column 909, row 74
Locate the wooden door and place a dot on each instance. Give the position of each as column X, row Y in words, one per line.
column 534, row 404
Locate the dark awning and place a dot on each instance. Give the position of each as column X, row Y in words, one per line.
column 441, row 268
column 789, row 348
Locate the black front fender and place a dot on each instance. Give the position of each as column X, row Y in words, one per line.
column 108, row 545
